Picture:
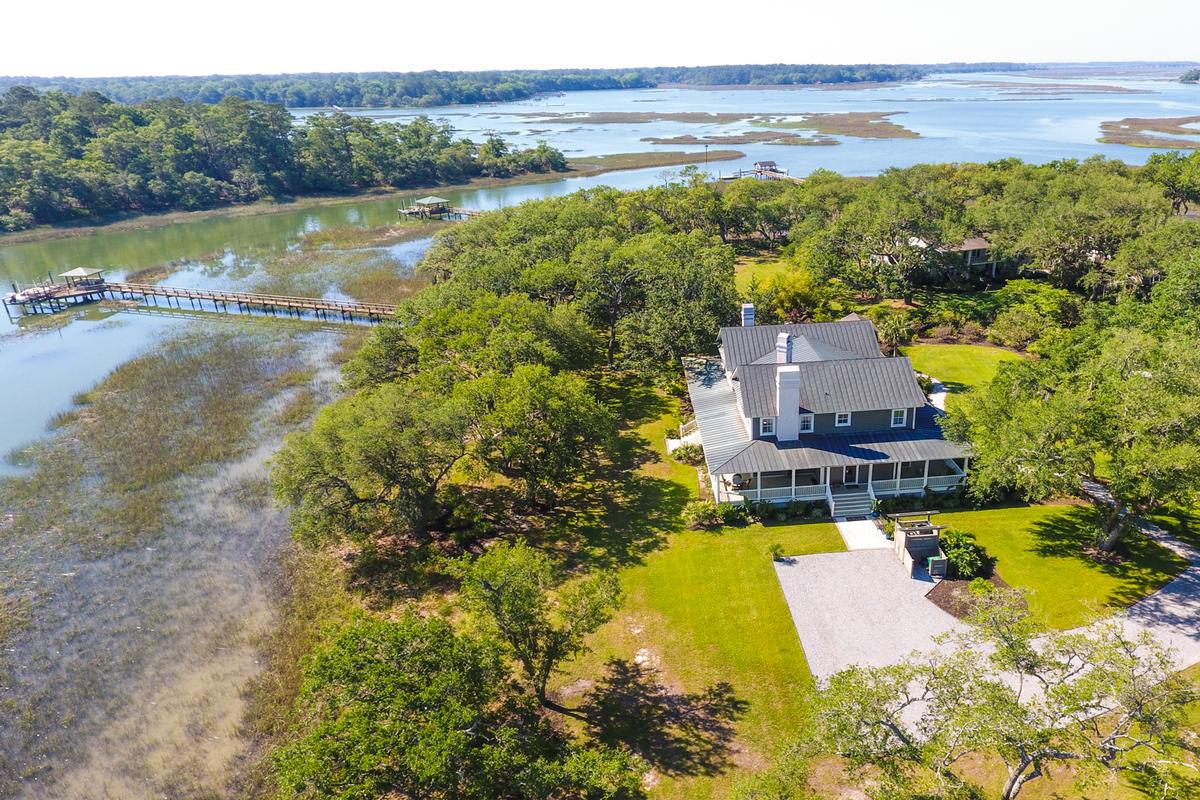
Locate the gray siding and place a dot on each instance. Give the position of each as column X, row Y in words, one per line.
column 860, row 422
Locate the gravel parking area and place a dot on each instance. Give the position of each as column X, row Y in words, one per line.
column 858, row 607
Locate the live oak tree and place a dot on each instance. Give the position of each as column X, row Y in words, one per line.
column 543, row 430
column 462, row 333
column 1134, row 400
column 374, row 463
column 1178, row 175
column 1101, row 701
column 412, row 709
column 542, row 623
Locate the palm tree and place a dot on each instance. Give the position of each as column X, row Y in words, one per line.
column 895, row 330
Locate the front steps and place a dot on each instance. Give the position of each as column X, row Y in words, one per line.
column 858, row 504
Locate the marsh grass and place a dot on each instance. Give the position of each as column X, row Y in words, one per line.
column 859, row 124
column 353, row 261
column 1152, row 132
column 617, row 161
column 133, row 561
column 110, row 475
column 311, row 597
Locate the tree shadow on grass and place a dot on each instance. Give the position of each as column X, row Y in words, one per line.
column 677, row 733
column 1140, row 564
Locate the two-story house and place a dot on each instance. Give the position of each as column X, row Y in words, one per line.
column 815, row 411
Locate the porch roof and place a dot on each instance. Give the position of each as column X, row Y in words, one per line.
column 922, row 444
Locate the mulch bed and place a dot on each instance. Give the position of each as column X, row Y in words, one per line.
column 953, row 596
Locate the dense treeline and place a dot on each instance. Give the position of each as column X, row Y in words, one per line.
column 392, row 89
column 1191, row 76
column 65, row 157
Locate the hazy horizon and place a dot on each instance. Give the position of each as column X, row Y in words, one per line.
column 129, row 38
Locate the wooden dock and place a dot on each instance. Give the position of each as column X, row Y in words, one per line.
column 48, row 298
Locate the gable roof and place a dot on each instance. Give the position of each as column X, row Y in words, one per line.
column 827, row 386
column 748, row 344
column 431, row 200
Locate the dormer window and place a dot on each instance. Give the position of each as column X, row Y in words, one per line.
column 766, row 426
column 806, row 423
column 899, row 417
column 841, row 419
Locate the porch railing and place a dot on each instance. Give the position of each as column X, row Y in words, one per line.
column 945, row 481
column 688, row 428
column 784, row 493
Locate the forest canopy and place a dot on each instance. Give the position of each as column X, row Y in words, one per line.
column 65, row 157
column 390, row 89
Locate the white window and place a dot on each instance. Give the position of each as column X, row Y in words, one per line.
column 767, row 426
column 899, row 417
column 841, row 419
column 806, row 423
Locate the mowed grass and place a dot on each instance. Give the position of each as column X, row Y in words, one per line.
column 1042, row 549
column 749, row 268
column 705, row 609
column 960, row 366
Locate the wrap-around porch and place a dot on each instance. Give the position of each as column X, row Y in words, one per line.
column 874, row 479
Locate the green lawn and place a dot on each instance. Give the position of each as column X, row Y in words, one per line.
column 960, row 366
column 1040, row 548
column 760, row 267
column 706, row 609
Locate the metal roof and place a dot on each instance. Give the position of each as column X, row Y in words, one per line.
column 747, row 344
column 729, row 448
column 805, row 348
column 926, row 443
column 723, row 433
column 80, row 272
column 858, row 384
column 431, row 200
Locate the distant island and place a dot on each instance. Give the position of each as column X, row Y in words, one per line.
column 421, row 89
column 1191, row 76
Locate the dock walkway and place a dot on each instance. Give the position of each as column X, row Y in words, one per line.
column 51, row 297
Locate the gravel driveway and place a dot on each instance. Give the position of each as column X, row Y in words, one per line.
column 858, row 607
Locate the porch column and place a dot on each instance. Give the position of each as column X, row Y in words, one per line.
column 793, row 483
column 925, row 480
column 870, row 473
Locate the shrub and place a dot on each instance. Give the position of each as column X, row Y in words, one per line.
column 926, row 384
column 797, row 509
column 965, row 557
column 701, row 514
column 689, row 454
column 1018, row 326
column 980, row 586
column 776, row 551
column 733, row 514
column 818, row 509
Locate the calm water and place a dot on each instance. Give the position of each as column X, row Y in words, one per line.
column 960, row 118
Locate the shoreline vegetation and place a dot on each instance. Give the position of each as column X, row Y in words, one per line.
column 579, row 167
column 1153, row 132
column 69, row 157
column 433, row 88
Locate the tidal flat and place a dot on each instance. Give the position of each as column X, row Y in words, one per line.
column 138, row 549
column 1160, row 132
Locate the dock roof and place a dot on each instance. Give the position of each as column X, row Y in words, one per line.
column 431, row 200
column 80, row 272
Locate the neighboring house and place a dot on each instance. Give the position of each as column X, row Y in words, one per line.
column 974, row 252
column 816, row 412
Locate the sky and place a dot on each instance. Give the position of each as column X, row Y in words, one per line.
column 139, row 37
